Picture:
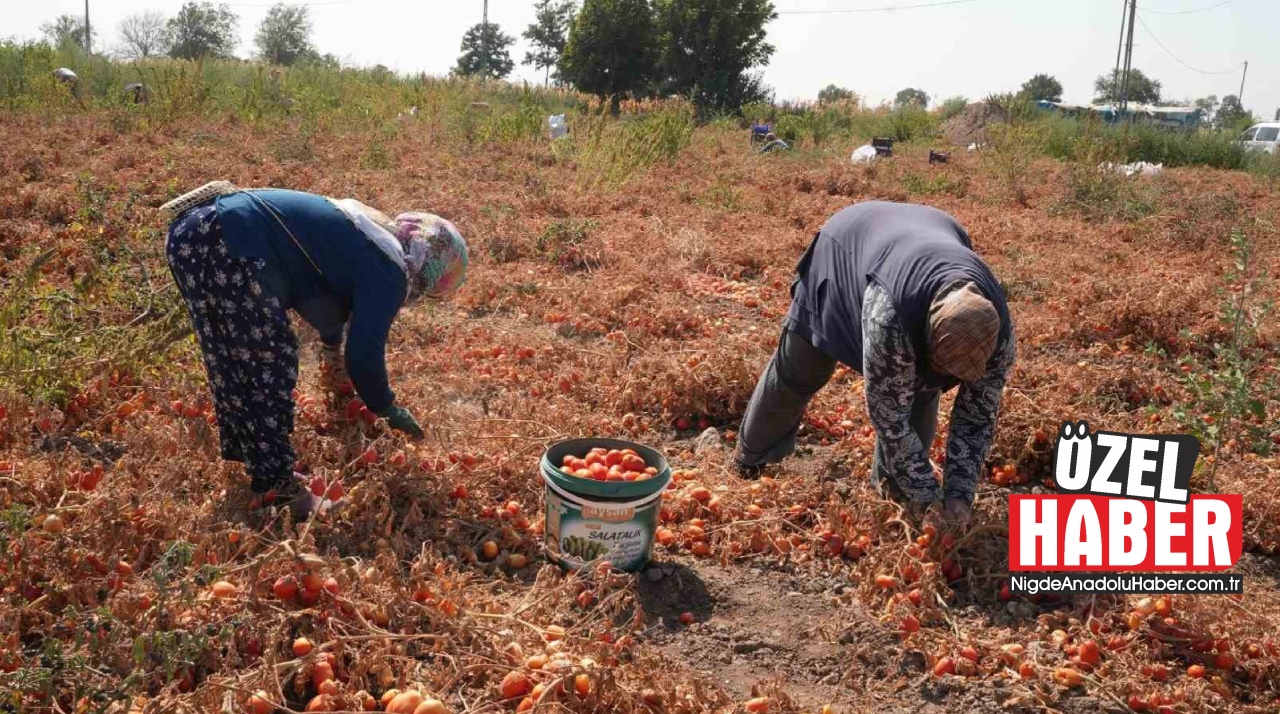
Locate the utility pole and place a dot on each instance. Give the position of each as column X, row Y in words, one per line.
column 88, row 49
column 1128, row 56
column 1240, row 96
column 1115, row 76
column 484, row 41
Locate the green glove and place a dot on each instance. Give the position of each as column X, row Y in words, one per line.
column 400, row 419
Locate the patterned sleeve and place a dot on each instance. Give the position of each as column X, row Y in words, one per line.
column 889, row 372
column 973, row 422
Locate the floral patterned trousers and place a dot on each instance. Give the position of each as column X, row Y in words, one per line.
column 250, row 352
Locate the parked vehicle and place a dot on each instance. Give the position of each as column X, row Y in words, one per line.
column 1261, row 137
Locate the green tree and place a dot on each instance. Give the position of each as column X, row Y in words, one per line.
column 1141, row 88
column 548, row 34
column 485, row 52
column 911, row 96
column 1207, row 106
column 327, row 60
column 143, row 35
column 66, row 31
column 1232, row 115
column 1042, row 87
column 201, row 30
column 284, row 37
column 708, row 47
column 612, row 48
column 831, row 94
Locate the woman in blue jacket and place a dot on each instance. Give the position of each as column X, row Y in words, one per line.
column 242, row 259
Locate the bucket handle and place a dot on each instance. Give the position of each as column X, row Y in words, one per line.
column 619, row 506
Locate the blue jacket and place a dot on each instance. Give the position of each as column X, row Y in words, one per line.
column 332, row 275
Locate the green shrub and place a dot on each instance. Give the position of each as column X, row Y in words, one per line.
column 1264, row 166
column 1180, row 148
column 1012, row 150
column 790, row 128
column 1096, row 191
column 609, row 153
column 951, row 107
column 910, row 123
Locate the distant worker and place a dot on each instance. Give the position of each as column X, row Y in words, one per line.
column 137, row 93
column 759, row 132
column 243, row 258
column 773, row 143
column 897, row 292
column 70, row 80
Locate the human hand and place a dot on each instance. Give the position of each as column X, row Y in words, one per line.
column 401, row 419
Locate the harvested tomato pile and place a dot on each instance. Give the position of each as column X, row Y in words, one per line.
column 608, row 465
column 140, row 577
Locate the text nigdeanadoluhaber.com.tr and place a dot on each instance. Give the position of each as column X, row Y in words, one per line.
column 1126, row 583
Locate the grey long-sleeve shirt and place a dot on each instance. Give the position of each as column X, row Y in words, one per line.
column 891, row 385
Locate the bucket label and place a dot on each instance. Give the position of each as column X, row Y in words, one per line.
column 581, row 533
column 608, row 515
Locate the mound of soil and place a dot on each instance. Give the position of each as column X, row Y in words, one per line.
column 970, row 125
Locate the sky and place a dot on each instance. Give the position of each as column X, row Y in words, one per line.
column 969, row 48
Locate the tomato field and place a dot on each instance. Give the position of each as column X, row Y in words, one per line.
column 140, row 576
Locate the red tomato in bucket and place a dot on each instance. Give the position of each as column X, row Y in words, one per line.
column 600, row 464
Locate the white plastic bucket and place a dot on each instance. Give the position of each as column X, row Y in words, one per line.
column 580, row 529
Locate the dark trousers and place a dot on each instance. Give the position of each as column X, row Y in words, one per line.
column 250, row 353
column 795, row 373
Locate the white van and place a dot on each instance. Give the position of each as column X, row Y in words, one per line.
column 1261, row 137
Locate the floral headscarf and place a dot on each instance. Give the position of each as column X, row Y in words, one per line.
column 435, row 253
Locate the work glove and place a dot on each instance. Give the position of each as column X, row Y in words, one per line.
column 400, row 419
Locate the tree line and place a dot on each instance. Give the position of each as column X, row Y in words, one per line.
column 200, row 30
column 1225, row 114
column 707, row 50
column 710, row 51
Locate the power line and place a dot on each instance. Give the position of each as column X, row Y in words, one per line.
column 830, row 11
column 891, row 8
column 1192, row 11
column 1169, row 52
column 316, row 3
